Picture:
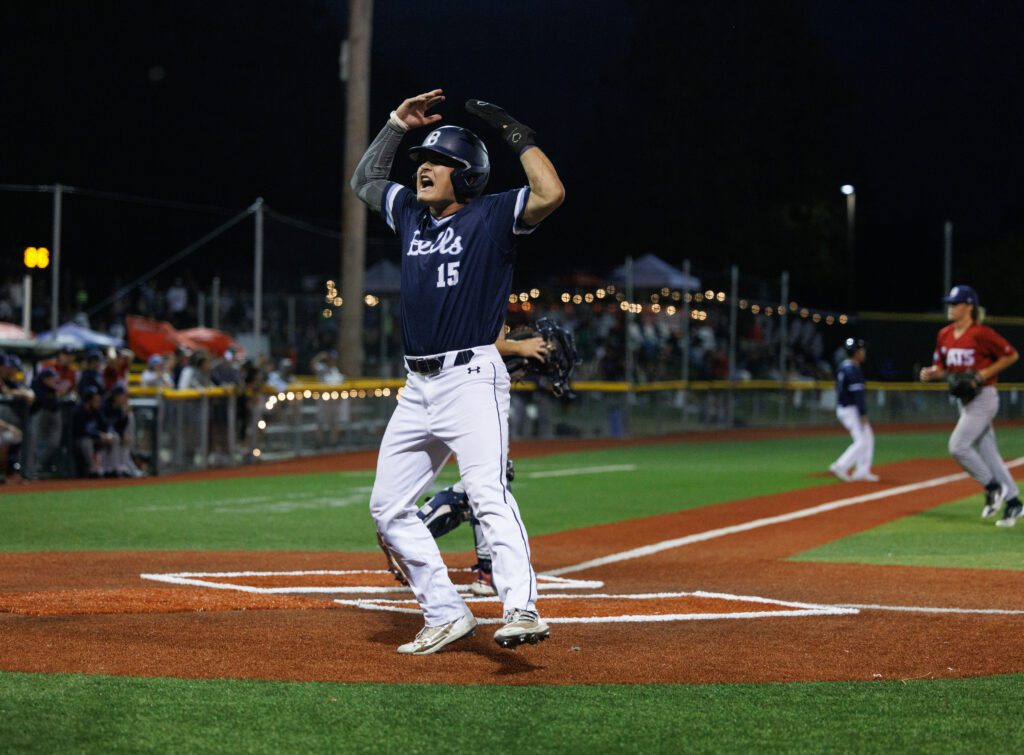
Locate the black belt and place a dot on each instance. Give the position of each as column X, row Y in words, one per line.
column 433, row 365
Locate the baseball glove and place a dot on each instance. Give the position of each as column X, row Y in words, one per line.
column 562, row 358
column 965, row 385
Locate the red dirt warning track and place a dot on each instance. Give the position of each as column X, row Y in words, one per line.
column 91, row 612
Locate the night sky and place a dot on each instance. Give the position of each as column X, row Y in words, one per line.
column 715, row 131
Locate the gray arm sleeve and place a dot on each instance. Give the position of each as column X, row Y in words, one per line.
column 371, row 176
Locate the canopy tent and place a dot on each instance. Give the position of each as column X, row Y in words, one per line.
column 383, row 278
column 650, row 271
column 73, row 334
column 11, row 332
column 147, row 337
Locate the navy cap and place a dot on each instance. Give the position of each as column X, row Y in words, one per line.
column 962, row 295
column 88, row 392
column 93, row 355
column 46, row 372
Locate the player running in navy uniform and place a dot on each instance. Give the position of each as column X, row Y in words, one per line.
column 967, row 345
column 852, row 412
column 457, row 254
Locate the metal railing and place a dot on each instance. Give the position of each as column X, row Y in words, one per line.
column 176, row 430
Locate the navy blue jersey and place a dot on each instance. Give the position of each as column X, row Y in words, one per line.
column 456, row 270
column 850, row 386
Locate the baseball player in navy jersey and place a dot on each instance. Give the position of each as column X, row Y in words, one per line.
column 458, row 247
column 852, row 411
column 967, row 349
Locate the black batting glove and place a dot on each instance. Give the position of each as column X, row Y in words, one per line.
column 517, row 135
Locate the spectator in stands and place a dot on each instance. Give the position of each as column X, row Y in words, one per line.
column 91, row 376
column 116, row 371
column 93, row 439
column 226, row 371
column 10, row 438
column 14, row 411
column 117, row 415
column 280, row 378
column 197, row 373
column 177, row 303
column 250, row 399
column 155, row 375
column 44, row 421
column 333, row 413
column 64, row 365
column 177, row 362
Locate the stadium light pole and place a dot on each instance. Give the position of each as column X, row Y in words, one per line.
column 851, row 258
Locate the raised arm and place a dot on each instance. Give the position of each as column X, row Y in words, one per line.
column 546, row 189
column 371, row 176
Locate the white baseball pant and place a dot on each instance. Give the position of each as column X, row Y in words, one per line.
column 861, row 452
column 463, row 409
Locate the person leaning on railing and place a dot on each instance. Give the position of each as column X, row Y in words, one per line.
column 156, row 375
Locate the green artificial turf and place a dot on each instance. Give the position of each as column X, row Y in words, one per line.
column 329, row 511
column 57, row 713
column 952, row 535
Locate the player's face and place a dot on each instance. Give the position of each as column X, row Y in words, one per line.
column 434, row 182
column 956, row 311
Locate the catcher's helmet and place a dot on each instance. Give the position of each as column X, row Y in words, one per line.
column 465, row 148
column 853, row 345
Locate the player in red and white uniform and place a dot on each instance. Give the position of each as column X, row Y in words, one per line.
column 967, row 345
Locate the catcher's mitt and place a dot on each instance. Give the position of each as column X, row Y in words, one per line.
column 562, row 356
column 965, row 385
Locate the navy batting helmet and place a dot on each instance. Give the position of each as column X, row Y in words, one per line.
column 465, row 148
column 853, row 345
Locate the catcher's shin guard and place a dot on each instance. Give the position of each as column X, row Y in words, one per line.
column 445, row 511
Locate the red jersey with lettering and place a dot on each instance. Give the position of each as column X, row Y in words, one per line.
column 975, row 349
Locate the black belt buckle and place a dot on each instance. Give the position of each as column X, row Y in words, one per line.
column 424, row 366
column 433, row 365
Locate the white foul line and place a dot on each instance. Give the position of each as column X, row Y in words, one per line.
column 581, row 470
column 754, row 524
column 932, row 609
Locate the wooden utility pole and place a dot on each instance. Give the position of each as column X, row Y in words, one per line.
column 355, row 75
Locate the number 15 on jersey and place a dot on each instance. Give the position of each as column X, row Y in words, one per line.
column 447, row 274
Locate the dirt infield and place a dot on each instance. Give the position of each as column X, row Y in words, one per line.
column 716, row 602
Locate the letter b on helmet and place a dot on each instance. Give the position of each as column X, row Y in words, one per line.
column 465, row 148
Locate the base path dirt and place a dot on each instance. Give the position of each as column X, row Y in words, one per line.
column 727, row 608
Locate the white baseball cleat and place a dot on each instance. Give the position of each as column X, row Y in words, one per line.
column 482, row 588
column 839, row 472
column 993, row 500
column 521, row 626
column 1011, row 515
column 865, row 477
column 431, row 639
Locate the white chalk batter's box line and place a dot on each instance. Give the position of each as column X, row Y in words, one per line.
column 792, row 609
column 202, row 579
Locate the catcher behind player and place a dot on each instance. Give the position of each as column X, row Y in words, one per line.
column 970, row 356
column 545, row 352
